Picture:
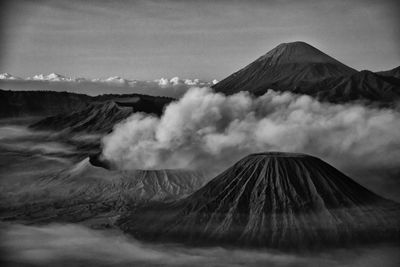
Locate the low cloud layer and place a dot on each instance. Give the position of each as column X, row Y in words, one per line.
column 211, row 131
column 27, row 155
column 174, row 87
column 73, row 245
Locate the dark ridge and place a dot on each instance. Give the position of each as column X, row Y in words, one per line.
column 50, row 103
column 391, row 73
column 98, row 161
column 101, row 115
column 145, row 105
column 105, row 97
column 96, row 118
column 40, row 103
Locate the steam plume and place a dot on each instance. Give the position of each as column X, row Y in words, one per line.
column 203, row 128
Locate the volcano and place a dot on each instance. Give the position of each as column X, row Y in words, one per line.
column 284, row 68
column 303, row 69
column 278, row 200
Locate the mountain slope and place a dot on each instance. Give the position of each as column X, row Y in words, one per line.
column 101, row 115
column 273, row 200
column 40, row 103
column 283, row 68
column 51, row 103
column 391, row 73
column 97, row 118
column 364, row 85
column 300, row 68
column 85, row 191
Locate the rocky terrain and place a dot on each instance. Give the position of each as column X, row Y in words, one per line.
column 86, row 191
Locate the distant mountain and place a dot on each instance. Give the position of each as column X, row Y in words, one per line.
column 96, row 118
column 85, row 191
column 391, row 73
column 301, row 68
column 101, row 115
column 364, row 85
column 139, row 102
column 272, row 199
column 40, row 103
column 283, row 67
column 71, row 109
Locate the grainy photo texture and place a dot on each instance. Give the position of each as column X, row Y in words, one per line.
column 199, row 133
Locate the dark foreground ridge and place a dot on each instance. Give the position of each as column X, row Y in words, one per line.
column 278, row 200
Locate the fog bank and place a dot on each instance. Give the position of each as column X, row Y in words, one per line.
column 69, row 245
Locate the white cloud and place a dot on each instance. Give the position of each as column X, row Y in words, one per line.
column 76, row 245
column 175, row 81
column 174, row 87
column 53, row 77
column 205, row 130
column 162, row 82
column 192, row 82
column 8, row 76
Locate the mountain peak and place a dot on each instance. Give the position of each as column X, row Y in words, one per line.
column 296, row 44
column 296, row 52
column 275, row 154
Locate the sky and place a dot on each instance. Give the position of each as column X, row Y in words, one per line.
column 149, row 39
